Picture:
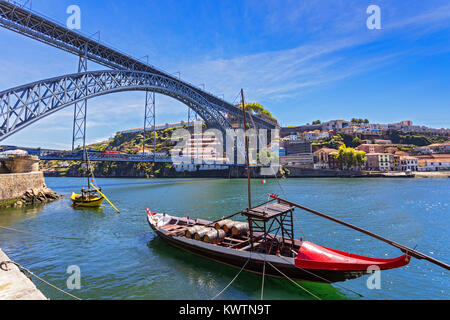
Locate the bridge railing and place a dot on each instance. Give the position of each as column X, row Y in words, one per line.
column 46, row 154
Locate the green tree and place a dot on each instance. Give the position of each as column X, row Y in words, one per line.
column 360, row 158
column 356, row 142
column 349, row 157
column 257, row 109
column 317, row 122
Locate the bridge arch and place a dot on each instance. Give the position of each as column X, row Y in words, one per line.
column 24, row 105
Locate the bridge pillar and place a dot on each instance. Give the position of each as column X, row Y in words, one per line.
column 150, row 120
column 80, row 110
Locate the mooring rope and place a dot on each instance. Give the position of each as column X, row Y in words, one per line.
column 116, row 236
column 304, row 289
column 39, row 278
column 326, row 280
column 237, row 275
column 41, row 234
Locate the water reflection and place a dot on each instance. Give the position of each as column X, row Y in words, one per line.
column 11, row 216
column 210, row 278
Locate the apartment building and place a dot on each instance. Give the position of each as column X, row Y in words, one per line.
column 379, row 161
column 409, row 163
column 371, row 148
column 435, row 162
column 302, row 160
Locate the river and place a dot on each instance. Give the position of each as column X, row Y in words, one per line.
column 121, row 258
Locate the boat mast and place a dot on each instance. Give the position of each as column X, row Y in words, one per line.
column 246, row 150
column 86, row 161
column 250, row 221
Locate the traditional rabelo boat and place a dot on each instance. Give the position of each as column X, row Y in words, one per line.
column 87, row 198
column 265, row 243
column 90, row 198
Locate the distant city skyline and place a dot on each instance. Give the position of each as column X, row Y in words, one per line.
column 303, row 61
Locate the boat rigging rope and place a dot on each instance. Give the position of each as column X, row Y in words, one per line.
column 90, row 169
column 264, row 272
column 39, row 278
column 326, row 280
column 237, row 275
column 312, row 294
column 274, row 173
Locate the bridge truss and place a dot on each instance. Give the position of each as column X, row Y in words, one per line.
column 24, row 105
column 37, row 27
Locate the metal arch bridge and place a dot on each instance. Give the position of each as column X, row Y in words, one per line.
column 24, row 105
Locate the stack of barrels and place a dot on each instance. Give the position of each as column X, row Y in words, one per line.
column 235, row 228
column 217, row 234
column 202, row 233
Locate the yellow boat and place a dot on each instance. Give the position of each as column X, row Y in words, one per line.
column 87, row 198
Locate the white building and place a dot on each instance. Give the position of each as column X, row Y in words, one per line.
column 434, row 163
column 409, row 163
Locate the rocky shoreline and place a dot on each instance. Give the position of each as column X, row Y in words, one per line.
column 32, row 197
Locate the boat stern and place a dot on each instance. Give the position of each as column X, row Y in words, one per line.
column 157, row 220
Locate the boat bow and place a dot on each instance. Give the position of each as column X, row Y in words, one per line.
column 313, row 256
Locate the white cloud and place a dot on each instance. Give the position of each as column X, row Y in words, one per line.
column 276, row 75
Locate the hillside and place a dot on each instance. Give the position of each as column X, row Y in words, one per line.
column 130, row 143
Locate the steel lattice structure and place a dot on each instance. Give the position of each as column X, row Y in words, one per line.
column 18, row 113
column 24, row 105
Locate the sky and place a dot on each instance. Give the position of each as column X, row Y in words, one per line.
column 303, row 60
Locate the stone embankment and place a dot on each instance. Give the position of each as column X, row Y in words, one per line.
column 21, row 189
column 37, row 196
column 14, row 284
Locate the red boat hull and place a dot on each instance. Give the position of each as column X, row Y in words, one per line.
column 313, row 256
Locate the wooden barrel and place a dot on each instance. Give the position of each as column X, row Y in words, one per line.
column 201, row 233
column 219, row 224
column 228, row 226
column 240, row 229
column 214, row 236
column 191, row 231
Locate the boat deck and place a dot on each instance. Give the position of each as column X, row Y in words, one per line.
column 178, row 227
column 269, row 211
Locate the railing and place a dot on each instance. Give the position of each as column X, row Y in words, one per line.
column 46, row 154
column 99, row 156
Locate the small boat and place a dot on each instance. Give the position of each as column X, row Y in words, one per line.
column 269, row 253
column 87, row 198
column 90, row 197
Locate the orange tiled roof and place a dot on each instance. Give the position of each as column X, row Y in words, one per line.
column 437, row 157
column 325, row 149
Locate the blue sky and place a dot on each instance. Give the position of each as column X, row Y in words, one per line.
column 303, row 60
